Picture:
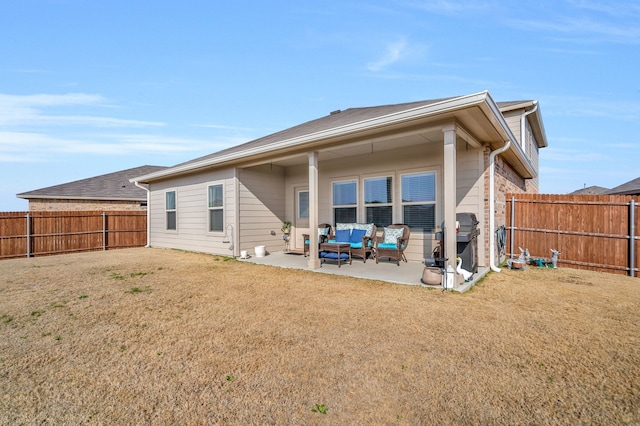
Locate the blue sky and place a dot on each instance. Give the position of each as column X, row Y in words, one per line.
column 94, row 87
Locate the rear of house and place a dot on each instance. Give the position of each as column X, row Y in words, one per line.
column 418, row 164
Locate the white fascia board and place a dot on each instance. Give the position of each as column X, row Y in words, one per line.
column 495, row 110
column 347, row 129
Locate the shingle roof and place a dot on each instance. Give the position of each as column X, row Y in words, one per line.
column 112, row 186
column 591, row 190
column 630, row 188
column 335, row 119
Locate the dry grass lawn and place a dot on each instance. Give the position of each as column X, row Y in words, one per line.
column 149, row 336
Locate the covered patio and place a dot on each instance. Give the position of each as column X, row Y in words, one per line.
column 408, row 273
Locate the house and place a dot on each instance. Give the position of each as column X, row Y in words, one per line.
column 416, row 163
column 630, row 188
column 111, row 191
column 591, row 190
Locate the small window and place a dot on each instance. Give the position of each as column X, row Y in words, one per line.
column 303, row 204
column 419, row 201
column 216, row 208
column 345, row 199
column 171, row 211
column 378, row 200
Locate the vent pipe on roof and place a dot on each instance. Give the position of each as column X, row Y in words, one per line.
column 335, row 112
column 148, row 213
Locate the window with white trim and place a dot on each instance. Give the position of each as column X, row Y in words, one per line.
column 171, row 210
column 419, row 200
column 216, row 208
column 345, row 201
column 378, row 200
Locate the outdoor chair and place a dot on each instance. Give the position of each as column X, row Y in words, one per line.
column 392, row 243
column 324, row 230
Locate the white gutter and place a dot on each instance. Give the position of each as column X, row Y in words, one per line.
column 523, row 122
column 492, row 204
column 148, row 213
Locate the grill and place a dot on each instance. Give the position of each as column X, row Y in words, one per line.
column 467, row 241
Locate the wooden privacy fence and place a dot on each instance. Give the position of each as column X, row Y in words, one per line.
column 46, row 233
column 596, row 232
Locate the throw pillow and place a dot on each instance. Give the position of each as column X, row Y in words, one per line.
column 391, row 235
column 343, row 235
column 356, row 235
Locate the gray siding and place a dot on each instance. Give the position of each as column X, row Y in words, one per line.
column 192, row 232
column 262, row 207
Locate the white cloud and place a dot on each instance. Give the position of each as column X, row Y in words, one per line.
column 396, row 51
column 446, row 7
column 23, row 147
column 28, row 110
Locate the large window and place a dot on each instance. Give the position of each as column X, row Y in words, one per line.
column 378, row 200
column 171, row 211
column 345, row 200
column 216, row 208
column 419, row 200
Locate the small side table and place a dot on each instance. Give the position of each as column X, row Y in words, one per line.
column 335, row 251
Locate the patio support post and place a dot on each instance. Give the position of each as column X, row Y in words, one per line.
column 449, row 196
column 314, row 261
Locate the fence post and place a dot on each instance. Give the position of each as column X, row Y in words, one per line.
column 104, row 231
column 28, row 235
column 513, row 225
column 632, row 238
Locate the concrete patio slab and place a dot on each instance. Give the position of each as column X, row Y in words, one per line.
column 408, row 273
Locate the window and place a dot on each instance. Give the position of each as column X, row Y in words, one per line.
column 378, row 200
column 303, row 204
column 216, row 208
column 345, row 199
column 419, row 200
column 170, row 209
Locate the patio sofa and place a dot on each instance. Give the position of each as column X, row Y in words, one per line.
column 359, row 235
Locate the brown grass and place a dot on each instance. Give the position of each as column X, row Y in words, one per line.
column 146, row 336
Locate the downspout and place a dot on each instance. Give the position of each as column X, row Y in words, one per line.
column 148, row 213
column 523, row 122
column 492, row 205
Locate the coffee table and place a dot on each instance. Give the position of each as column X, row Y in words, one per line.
column 335, row 251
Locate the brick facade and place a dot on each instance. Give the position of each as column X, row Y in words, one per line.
column 82, row 205
column 506, row 180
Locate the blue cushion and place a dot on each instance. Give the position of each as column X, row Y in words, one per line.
column 356, row 245
column 343, row 235
column 387, row 246
column 328, row 255
column 356, row 235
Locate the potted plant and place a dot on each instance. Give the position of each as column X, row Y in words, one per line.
column 286, row 228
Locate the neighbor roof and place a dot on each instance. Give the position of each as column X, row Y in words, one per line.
column 630, row 188
column 112, row 186
column 591, row 190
